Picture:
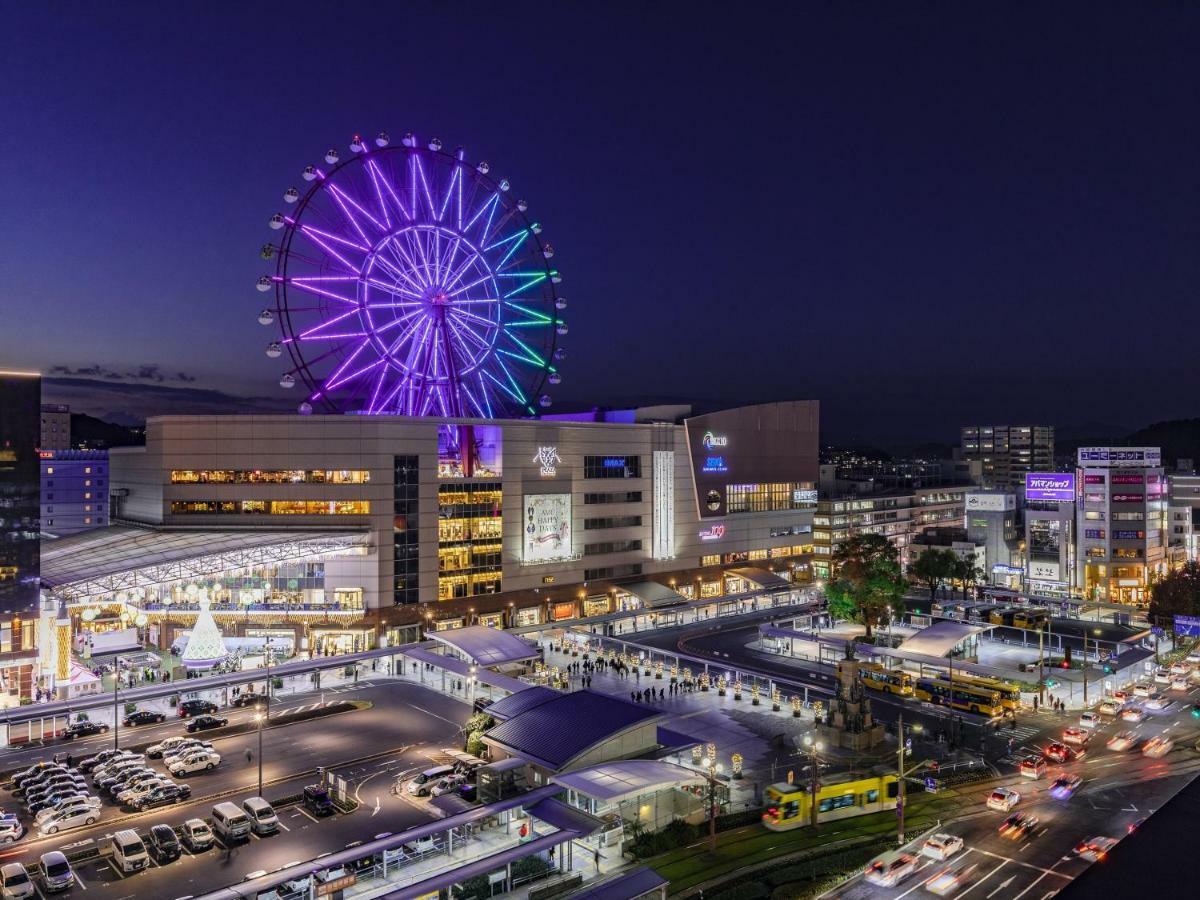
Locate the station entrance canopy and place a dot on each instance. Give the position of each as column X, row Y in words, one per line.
column 768, row 581
column 940, row 638
column 654, row 595
column 97, row 563
column 486, row 646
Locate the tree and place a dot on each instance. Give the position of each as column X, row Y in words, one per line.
column 866, row 584
column 932, row 568
column 970, row 575
column 1176, row 594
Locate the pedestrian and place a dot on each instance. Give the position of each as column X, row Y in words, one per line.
column 249, row 755
column 660, row 693
column 633, row 695
column 70, row 761
column 1035, row 704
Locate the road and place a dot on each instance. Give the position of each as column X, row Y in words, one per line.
column 368, row 747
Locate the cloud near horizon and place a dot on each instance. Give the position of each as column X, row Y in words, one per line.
column 149, row 372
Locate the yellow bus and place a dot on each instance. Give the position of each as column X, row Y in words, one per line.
column 968, row 698
column 893, row 681
column 789, row 806
column 1031, row 619
column 1010, row 694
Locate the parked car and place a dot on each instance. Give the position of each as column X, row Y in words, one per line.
column 54, row 801
column 55, row 872
column 71, row 817
column 86, row 728
column 196, row 707
column 118, row 762
column 65, row 804
column 201, row 723
column 104, row 756
column 163, row 843
column 139, row 789
column 11, row 829
column 19, row 780
column 316, row 800
column 170, row 792
column 172, row 744
column 200, row 761
column 15, row 883
column 447, row 784
column 197, row 835
column 142, row 717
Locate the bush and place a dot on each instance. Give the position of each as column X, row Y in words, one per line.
column 130, row 708
column 530, row 867
column 479, row 721
column 82, row 717
column 475, row 745
column 739, row 819
column 475, row 888
column 651, row 843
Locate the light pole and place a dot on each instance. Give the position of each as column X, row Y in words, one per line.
column 260, row 718
column 116, row 712
column 814, row 776
column 1085, row 660
column 267, row 708
column 712, row 768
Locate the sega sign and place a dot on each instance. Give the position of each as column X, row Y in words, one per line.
column 1059, row 486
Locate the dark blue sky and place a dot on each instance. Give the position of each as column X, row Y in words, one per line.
column 918, row 214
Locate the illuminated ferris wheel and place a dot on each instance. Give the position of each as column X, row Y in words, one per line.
column 408, row 281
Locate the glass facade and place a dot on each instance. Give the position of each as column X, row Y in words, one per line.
column 743, row 498
column 20, row 494
column 406, row 541
column 274, row 476
column 271, row 507
column 612, row 467
column 469, row 532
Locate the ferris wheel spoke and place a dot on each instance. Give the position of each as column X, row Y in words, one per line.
column 469, row 333
column 483, row 392
column 493, row 227
column 531, row 357
column 471, row 317
column 333, row 351
column 325, row 324
column 373, row 174
column 395, row 291
column 332, row 384
column 448, row 262
column 420, row 174
column 394, row 268
column 461, row 271
column 511, row 388
column 342, row 199
column 516, row 239
column 389, row 188
column 450, row 191
column 326, row 241
column 488, row 208
column 303, row 285
column 538, row 318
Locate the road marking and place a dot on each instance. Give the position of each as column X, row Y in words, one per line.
column 1005, row 862
column 1029, row 887
column 1020, row 863
column 1003, row 885
column 284, row 827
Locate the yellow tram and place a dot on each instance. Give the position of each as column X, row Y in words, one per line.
column 789, row 806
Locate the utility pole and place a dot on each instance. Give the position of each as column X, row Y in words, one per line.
column 1085, row 667
column 116, row 711
column 1041, row 666
column 900, row 754
column 814, row 777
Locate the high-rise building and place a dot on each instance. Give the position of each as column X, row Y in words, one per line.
column 1007, row 452
column 1121, row 523
column 20, row 433
column 56, row 427
column 74, row 491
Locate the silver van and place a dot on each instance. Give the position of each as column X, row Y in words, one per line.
column 262, row 818
column 129, row 851
column 230, row 822
column 423, row 783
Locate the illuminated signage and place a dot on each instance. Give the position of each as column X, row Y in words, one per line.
column 990, row 502
column 713, row 533
column 711, row 440
column 714, row 464
column 1120, row 456
column 1058, row 486
column 547, row 458
column 614, row 462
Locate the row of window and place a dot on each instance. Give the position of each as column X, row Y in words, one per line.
column 614, row 497
column 270, row 476
column 740, row 498
column 611, row 547
column 273, row 507
column 477, row 528
column 405, row 531
column 612, row 522
column 612, row 572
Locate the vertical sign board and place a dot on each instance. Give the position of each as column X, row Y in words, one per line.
column 664, row 504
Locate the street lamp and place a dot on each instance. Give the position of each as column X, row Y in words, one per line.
column 813, row 748
column 712, row 768
column 260, row 718
column 1097, row 632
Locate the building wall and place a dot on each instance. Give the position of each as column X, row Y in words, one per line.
column 56, row 427
column 20, row 554
column 1122, row 531
column 74, row 491
column 1006, row 453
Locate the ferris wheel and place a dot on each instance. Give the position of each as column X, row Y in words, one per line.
column 408, row 281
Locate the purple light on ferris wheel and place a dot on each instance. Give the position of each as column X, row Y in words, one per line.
column 408, row 282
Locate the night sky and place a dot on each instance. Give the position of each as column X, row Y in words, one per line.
column 921, row 215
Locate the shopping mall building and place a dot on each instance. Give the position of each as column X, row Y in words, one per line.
column 341, row 530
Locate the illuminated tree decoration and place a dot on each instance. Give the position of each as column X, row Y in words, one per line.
column 408, row 281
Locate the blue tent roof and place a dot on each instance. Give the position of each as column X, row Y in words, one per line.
column 515, row 704
column 638, row 883
column 556, row 731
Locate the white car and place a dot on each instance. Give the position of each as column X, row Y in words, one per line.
column 950, row 880
column 1157, row 747
column 135, row 793
column 891, row 869
column 1122, row 741
column 1090, row 720
column 75, row 817
column 11, row 829
column 164, row 747
column 81, row 800
column 1109, row 708
column 15, row 883
column 1143, row 689
column 1095, row 848
column 1179, row 683
column 201, row 761
column 1133, row 714
column 1162, row 676
column 185, row 748
column 1158, row 701
column 941, row 846
column 1003, row 799
column 1180, row 668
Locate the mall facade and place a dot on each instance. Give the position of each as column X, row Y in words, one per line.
column 356, row 526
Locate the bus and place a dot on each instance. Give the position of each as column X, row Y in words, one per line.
column 1002, row 615
column 789, row 806
column 968, row 698
column 892, row 681
column 1032, row 619
column 1009, row 693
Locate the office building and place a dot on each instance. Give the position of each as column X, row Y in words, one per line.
column 74, row 491
column 1006, row 453
column 1121, row 522
column 56, row 427
column 992, row 525
column 1050, row 533
column 350, row 525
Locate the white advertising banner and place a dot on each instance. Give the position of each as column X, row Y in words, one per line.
column 1044, row 571
column 990, row 502
column 547, row 527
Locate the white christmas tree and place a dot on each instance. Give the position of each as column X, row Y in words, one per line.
column 205, row 647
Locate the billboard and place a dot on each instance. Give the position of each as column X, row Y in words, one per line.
column 1058, row 486
column 1120, row 456
column 546, row 528
column 1188, row 626
column 990, row 502
column 1044, row 571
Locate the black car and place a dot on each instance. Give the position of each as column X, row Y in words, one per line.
column 316, row 800
column 143, row 717
column 100, row 758
column 26, row 775
column 247, row 699
column 29, row 783
column 196, row 707
column 53, row 785
column 163, row 843
column 84, row 729
column 161, row 796
column 200, row 723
